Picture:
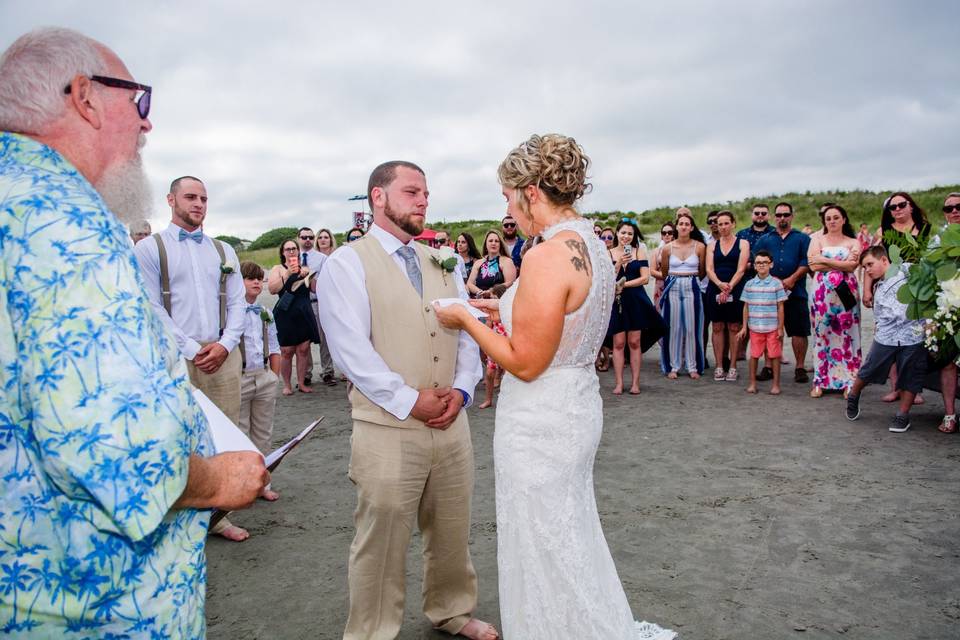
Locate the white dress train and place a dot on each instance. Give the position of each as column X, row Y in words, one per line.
column 557, row 577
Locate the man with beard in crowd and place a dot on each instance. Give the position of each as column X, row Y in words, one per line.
column 104, row 490
column 512, row 241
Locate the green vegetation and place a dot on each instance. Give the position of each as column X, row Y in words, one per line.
column 233, row 241
column 862, row 206
column 273, row 238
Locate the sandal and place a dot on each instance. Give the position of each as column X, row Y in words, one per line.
column 816, row 392
column 731, row 375
column 719, row 374
column 949, row 424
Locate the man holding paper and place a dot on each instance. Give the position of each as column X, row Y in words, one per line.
column 411, row 455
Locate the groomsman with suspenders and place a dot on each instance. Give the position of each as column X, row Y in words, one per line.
column 194, row 285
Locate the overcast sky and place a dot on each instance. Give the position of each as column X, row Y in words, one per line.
column 283, row 108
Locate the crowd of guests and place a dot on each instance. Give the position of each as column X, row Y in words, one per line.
column 739, row 290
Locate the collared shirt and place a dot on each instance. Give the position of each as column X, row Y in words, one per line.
column 762, row 298
column 194, row 290
column 789, row 254
column 253, row 339
column 344, row 309
column 751, row 235
column 314, row 262
column 893, row 329
column 96, row 422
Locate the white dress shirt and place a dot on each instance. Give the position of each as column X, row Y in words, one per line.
column 314, row 262
column 253, row 339
column 344, row 309
column 194, row 290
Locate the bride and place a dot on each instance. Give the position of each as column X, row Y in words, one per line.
column 557, row 578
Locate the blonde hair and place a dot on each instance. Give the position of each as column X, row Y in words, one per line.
column 554, row 163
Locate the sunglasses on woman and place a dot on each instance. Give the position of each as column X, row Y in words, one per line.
column 898, row 206
column 666, row 233
column 606, row 236
column 950, row 208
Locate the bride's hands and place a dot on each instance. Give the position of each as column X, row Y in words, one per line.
column 453, row 316
column 490, row 306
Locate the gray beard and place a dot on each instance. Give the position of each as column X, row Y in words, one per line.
column 126, row 190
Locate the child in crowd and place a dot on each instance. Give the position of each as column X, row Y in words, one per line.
column 763, row 298
column 260, row 352
column 897, row 339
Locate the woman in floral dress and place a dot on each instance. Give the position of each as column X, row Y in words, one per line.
column 833, row 258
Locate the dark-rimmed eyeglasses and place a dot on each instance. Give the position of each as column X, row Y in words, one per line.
column 782, row 215
column 950, row 208
column 897, row 206
column 142, row 101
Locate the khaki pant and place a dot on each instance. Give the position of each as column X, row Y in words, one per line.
column 326, row 362
column 404, row 477
column 221, row 386
column 258, row 399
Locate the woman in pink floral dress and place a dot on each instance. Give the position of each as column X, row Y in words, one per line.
column 833, row 258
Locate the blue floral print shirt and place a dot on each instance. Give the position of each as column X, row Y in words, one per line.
column 96, row 423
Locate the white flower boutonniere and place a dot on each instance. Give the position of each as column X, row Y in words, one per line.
column 446, row 260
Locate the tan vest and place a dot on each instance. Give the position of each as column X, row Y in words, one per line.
column 403, row 327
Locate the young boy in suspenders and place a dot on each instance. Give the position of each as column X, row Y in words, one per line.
column 260, row 351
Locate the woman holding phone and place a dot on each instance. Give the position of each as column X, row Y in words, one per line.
column 634, row 321
column 293, row 313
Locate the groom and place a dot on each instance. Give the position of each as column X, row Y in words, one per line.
column 411, row 454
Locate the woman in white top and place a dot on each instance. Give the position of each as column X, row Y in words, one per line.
column 683, row 262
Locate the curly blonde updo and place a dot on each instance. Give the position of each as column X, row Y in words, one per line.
column 555, row 163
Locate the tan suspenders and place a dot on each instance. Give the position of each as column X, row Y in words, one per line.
column 165, row 280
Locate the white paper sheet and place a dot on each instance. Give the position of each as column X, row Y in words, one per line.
column 476, row 313
column 226, row 435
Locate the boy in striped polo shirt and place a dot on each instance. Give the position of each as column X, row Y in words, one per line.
column 763, row 298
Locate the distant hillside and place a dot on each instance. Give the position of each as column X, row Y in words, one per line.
column 863, row 206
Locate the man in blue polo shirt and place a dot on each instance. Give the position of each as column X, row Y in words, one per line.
column 752, row 234
column 789, row 250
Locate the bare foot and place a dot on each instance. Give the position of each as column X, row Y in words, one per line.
column 918, row 399
column 305, row 389
column 287, row 391
column 618, row 390
column 484, row 404
column 752, row 389
column 774, row 391
column 235, row 533
column 672, row 375
column 635, row 391
column 479, row 630
column 269, row 494
column 893, row 396
column 694, row 375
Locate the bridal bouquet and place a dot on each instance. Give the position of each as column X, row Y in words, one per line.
column 932, row 292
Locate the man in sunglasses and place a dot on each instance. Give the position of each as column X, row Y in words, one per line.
column 107, row 482
column 512, row 241
column 710, row 236
column 313, row 259
column 789, row 250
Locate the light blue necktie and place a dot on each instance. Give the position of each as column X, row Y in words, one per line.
column 196, row 236
column 413, row 268
column 254, row 307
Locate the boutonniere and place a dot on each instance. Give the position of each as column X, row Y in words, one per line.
column 225, row 269
column 265, row 316
column 446, row 259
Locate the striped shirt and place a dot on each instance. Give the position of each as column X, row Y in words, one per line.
column 762, row 298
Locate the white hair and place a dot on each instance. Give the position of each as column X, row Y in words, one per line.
column 35, row 70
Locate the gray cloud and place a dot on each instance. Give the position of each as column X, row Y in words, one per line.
column 285, row 109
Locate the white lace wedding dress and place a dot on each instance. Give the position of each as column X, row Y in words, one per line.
column 557, row 578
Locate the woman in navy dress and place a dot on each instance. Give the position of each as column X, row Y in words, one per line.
column 727, row 258
column 634, row 321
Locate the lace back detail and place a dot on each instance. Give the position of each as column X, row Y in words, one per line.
column 584, row 328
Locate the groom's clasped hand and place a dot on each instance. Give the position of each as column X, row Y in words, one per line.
column 437, row 408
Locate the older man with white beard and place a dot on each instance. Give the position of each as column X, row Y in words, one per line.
column 104, row 487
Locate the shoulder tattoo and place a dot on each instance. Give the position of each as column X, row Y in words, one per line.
column 581, row 259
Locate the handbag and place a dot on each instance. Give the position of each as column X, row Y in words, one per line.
column 284, row 303
column 847, row 297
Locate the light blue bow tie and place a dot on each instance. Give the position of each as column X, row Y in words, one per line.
column 254, row 307
column 196, row 236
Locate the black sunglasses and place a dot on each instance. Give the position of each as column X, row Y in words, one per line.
column 509, row 225
column 761, row 213
column 898, row 206
column 950, row 208
column 782, row 215
column 606, row 236
column 143, row 102
column 306, row 237
column 666, row 233
column 711, row 221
